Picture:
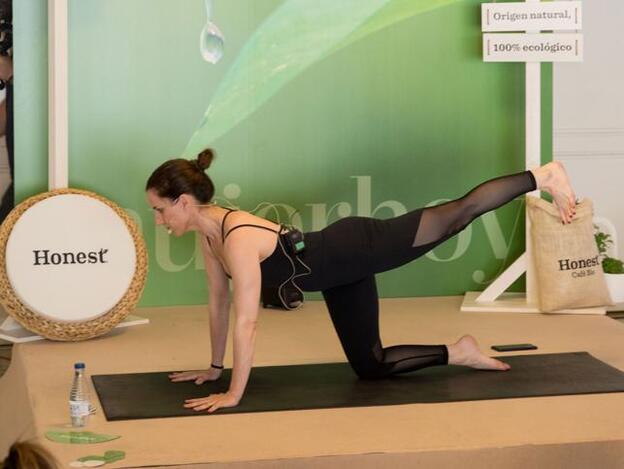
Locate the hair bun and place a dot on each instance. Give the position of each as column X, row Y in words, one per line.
column 204, row 159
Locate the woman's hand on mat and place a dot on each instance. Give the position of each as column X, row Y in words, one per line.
column 199, row 376
column 213, row 402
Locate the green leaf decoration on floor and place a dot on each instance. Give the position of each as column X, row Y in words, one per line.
column 112, row 456
column 78, row 438
column 92, row 458
column 296, row 35
column 108, row 457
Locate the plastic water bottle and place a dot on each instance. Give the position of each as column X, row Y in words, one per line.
column 79, row 397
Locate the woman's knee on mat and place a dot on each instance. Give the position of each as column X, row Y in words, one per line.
column 370, row 365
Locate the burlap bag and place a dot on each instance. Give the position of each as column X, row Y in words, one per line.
column 569, row 271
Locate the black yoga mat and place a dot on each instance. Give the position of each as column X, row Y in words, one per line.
column 297, row 387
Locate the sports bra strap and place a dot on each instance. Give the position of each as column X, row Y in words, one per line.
column 225, row 235
column 223, row 223
column 253, row 226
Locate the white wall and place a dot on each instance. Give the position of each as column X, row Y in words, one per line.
column 589, row 113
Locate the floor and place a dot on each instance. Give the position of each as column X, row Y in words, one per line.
column 5, row 355
column 514, row 433
column 6, row 347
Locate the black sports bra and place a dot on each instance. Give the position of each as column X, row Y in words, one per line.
column 225, row 235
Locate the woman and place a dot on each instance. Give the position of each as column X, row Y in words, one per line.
column 340, row 261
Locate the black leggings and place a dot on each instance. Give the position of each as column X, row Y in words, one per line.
column 348, row 253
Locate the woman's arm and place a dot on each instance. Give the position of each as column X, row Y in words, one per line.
column 219, row 314
column 243, row 259
column 218, row 304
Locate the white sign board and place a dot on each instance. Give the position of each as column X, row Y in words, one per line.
column 532, row 47
column 70, row 258
column 531, row 16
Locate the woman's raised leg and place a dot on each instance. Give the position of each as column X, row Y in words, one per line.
column 443, row 221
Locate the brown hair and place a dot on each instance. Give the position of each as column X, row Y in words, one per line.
column 179, row 176
column 29, row 455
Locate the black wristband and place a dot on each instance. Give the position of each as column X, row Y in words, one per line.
column 212, row 365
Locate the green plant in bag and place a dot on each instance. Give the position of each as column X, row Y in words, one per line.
column 610, row 265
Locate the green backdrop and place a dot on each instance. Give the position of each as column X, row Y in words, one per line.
column 396, row 111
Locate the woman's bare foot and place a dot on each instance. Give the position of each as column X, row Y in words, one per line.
column 466, row 352
column 552, row 178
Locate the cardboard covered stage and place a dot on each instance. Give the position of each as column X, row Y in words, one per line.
column 559, row 431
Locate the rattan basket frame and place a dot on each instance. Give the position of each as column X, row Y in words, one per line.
column 75, row 330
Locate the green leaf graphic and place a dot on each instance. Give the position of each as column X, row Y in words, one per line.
column 298, row 34
column 92, row 458
column 112, row 456
column 78, row 438
column 109, row 457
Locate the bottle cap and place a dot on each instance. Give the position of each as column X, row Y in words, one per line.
column 78, row 366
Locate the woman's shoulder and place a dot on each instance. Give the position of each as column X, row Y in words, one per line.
column 251, row 230
column 241, row 218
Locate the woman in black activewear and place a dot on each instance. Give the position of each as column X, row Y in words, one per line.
column 340, row 261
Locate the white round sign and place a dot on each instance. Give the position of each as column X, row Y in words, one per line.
column 70, row 258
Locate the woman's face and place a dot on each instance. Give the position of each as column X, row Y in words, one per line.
column 168, row 212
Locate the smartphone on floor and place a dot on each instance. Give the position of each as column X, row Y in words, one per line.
column 513, row 347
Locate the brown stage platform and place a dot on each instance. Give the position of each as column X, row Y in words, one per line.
column 547, row 432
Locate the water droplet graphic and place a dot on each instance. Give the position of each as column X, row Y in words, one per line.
column 211, row 44
column 211, row 40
